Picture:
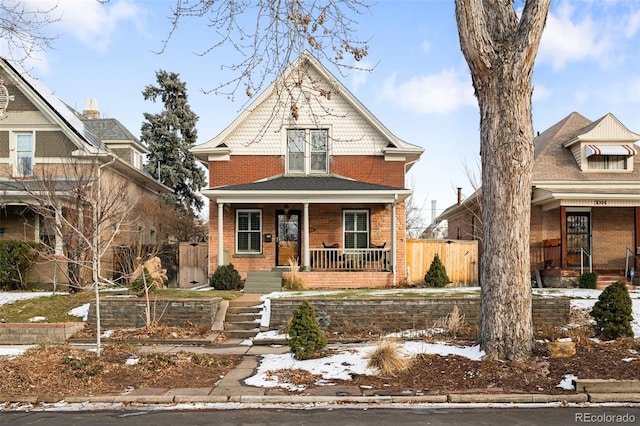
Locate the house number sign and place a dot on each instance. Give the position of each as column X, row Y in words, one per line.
column 600, row 202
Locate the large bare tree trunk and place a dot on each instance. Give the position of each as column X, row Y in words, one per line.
column 500, row 49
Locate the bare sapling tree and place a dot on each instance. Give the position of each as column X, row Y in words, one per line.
column 88, row 208
column 500, row 44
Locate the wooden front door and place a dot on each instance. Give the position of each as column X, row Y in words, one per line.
column 287, row 236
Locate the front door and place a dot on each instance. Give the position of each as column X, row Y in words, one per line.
column 578, row 238
column 287, row 236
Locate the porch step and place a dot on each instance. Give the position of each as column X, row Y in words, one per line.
column 605, row 281
column 263, row 282
column 242, row 320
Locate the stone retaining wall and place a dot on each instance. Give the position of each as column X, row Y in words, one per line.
column 130, row 313
column 387, row 315
column 36, row 334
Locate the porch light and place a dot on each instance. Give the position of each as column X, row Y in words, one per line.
column 286, row 209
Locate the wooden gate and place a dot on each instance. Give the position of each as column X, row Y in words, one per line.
column 460, row 258
column 193, row 261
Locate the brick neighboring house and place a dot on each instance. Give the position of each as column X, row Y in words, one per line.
column 49, row 150
column 585, row 207
column 319, row 180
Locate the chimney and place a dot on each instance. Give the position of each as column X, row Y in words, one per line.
column 91, row 109
column 433, row 211
column 459, row 195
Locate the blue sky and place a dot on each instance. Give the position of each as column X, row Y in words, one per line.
column 589, row 62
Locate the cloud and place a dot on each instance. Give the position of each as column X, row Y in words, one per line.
column 541, row 92
column 91, row 22
column 565, row 41
column 430, row 94
column 360, row 73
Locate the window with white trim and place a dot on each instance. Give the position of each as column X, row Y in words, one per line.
column 249, row 231
column 607, row 162
column 24, row 153
column 308, row 151
column 356, row 229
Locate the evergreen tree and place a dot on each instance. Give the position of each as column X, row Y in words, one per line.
column 170, row 135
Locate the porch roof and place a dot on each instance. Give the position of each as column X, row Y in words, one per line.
column 595, row 196
column 26, row 191
column 328, row 189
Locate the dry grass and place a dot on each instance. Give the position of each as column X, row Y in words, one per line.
column 452, row 323
column 388, row 358
column 295, row 281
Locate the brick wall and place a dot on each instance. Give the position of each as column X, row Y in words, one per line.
column 337, row 280
column 37, row 334
column 249, row 168
column 387, row 315
column 130, row 313
column 612, row 232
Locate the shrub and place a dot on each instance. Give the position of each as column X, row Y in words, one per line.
column 137, row 285
column 16, row 258
column 226, row 277
column 588, row 280
column 295, row 281
column 305, row 336
column 437, row 274
column 387, row 358
column 612, row 312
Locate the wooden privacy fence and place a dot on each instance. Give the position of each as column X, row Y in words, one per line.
column 460, row 258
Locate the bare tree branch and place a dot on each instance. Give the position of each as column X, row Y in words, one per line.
column 23, row 28
column 270, row 34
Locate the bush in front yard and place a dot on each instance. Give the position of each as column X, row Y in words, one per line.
column 588, row 280
column 226, row 277
column 437, row 274
column 305, row 336
column 16, row 258
column 612, row 312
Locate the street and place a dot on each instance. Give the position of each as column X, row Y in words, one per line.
column 331, row 416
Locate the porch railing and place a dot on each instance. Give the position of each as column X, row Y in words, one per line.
column 628, row 266
column 338, row 259
column 584, row 253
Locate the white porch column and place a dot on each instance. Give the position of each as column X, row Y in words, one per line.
column 305, row 220
column 220, row 234
column 393, row 243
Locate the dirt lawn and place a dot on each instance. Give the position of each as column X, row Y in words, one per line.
column 66, row 371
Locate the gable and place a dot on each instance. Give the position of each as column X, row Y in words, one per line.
column 563, row 151
column 307, row 96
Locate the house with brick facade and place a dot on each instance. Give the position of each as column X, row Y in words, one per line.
column 50, row 153
column 306, row 174
column 585, row 207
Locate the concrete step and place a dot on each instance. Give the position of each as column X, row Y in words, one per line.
column 233, row 317
column 243, row 310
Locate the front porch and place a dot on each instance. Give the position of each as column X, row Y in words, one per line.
column 341, row 233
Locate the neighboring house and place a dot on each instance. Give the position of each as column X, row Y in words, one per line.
column 585, row 208
column 49, row 150
column 319, row 181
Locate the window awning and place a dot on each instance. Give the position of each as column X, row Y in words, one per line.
column 626, row 150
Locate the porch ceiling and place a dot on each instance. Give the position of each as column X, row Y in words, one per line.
column 314, row 189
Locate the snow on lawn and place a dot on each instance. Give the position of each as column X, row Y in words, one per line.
column 81, row 311
column 10, row 297
column 582, row 299
column 13, row 351
column 346, row 362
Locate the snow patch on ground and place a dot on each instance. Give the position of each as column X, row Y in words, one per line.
column 81, row 311
column 567, row 382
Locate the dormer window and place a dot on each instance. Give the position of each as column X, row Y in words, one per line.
column 307, row 151
column 609, row 157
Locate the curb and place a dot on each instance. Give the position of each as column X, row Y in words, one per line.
column 311, row 399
